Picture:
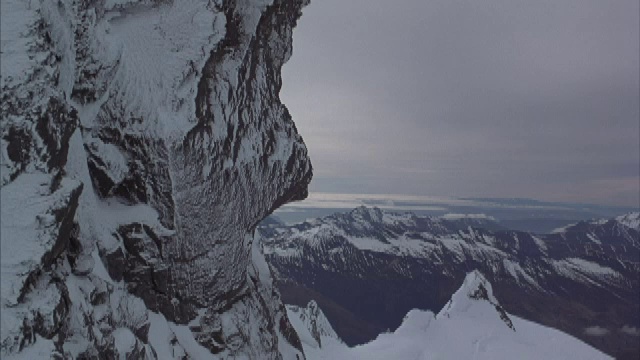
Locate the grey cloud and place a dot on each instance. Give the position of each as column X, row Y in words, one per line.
column 630, row 330
column 489, row 98
column 596, row 331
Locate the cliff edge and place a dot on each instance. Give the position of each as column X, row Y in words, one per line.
column 142, row 141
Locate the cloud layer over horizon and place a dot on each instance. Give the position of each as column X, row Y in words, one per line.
column 469, row 99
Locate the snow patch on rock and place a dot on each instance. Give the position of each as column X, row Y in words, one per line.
column 584, row 270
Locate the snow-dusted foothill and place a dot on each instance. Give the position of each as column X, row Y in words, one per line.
column 142, row 141
column 472, row 325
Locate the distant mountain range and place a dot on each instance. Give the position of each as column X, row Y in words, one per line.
column 367, row 268
column 513, row 213
column 472, row 325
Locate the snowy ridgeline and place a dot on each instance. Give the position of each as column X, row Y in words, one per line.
column 456, row 239
column 583, row 276
column 471, row 326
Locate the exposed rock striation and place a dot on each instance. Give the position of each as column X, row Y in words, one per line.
column 151, row 137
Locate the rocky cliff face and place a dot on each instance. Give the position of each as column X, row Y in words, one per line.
column 147, row 140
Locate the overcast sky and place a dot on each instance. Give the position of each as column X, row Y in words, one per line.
column 472, row 98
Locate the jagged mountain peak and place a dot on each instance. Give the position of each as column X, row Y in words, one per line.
column 311, row 323
column 630, row 220
column 476, row 291
column 343, row 259
column 475, row 286
column 370, row 218
column 368, row 213
column 476, row 331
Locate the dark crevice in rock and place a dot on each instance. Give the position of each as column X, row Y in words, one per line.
column 289, row 333
column 19, row 147
column 504, row 316
column 55, row 126
column 64, row 217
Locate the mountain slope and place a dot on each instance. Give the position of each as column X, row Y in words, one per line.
column 142, row 141
column 378, row 265
column 472, row 325
column 311, row 324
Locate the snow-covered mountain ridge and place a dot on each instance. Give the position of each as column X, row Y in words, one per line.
column 472, row 325
column 376, row 265
column 142, row 141
column 631, row 220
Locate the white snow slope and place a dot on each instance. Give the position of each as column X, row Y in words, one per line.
column 471, row 326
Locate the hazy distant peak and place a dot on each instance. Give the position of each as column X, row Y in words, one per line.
column 452, row 216
column 369, row 213
column 631, row 220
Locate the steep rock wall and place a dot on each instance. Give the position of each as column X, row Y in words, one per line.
column 163, row 121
